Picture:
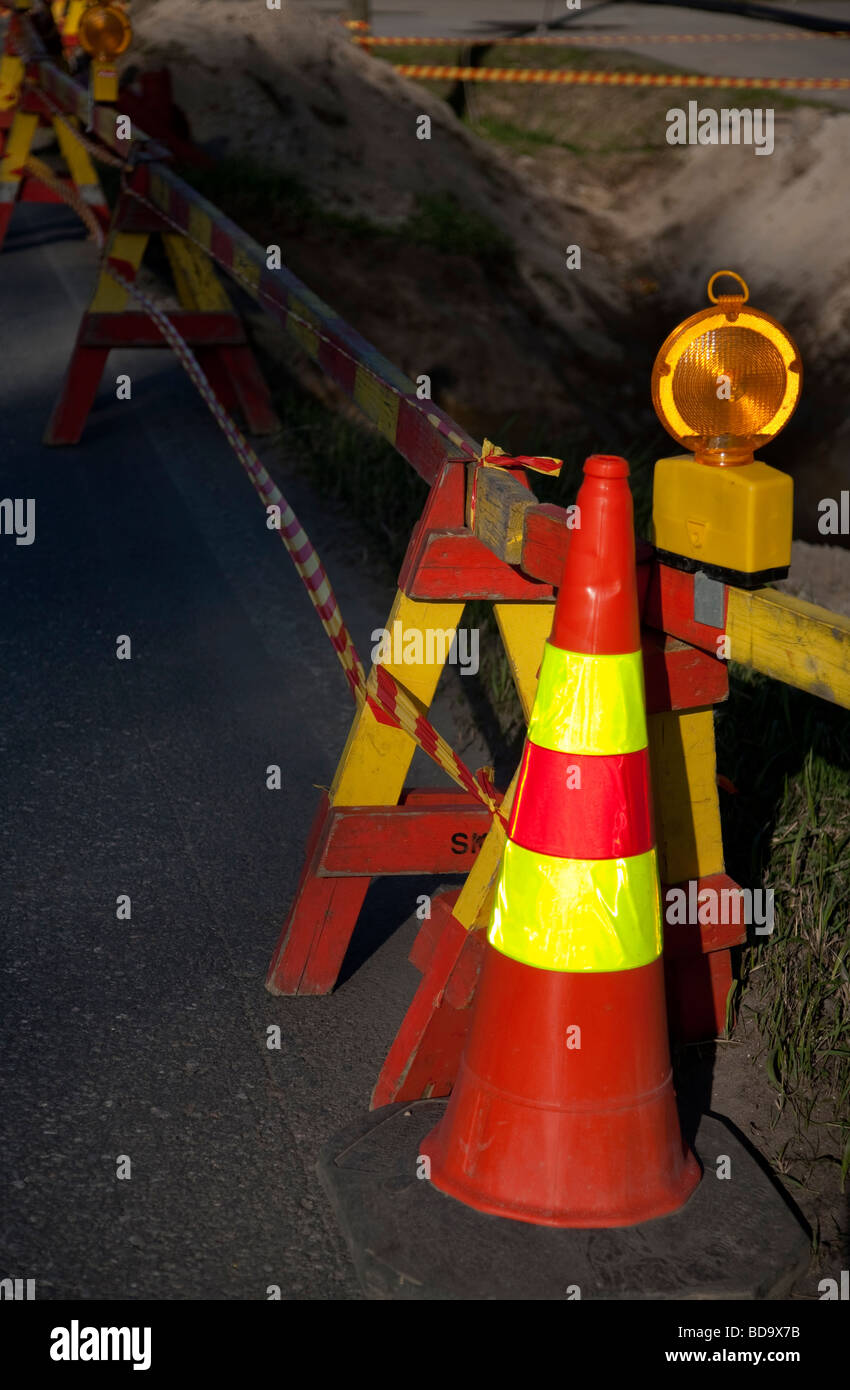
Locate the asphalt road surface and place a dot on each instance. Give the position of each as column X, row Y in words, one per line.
column 147, row 1038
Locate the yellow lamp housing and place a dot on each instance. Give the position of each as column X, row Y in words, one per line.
column 724, row 383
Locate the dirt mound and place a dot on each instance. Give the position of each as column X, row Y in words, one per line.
column 290, row 91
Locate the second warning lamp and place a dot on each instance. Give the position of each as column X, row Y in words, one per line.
column 105, row 33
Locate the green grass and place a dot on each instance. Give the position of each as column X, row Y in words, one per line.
column 527, row 141
column 789, row 829
column 439, row 220
column 356, row 467
column 250, row 193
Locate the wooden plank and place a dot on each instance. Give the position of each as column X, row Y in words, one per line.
column 128, row 328
column 497, row 505
column 678, row 676
column 524, row 628
column 456, row 564
column 376, row 757
column 684, row 791
column 544, row 543
column 197, row 284
column 694, row 938
column 392, row 840
column 669, row 608
column 792, row 641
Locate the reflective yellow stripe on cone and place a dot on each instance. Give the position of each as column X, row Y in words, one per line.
column 577, row 914
column 589, row 704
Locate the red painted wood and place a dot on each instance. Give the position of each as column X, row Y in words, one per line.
column 322, row 908
column 32, row 190
column 456, row 565
column 131, row 328
column 443, row 510
column 445, row 561
column 678, row 676
column 417, row 441
column 437, row 796
column 6, row 210
column 76, row 398
column 426, row 1052
column 379, row 840
column 698, row 938
column 546, row 538
column 333, row 906
column 545, row 542
column 154, row 110
column 669, row 607
column 697, row 990
column 209, row 360
column 429, row 933
column 249, row 385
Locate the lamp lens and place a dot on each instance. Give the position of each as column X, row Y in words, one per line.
column 729, row 383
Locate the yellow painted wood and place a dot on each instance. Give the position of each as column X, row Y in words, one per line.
column 792, row 641
column 200, row 225
column 524, row 628
column 376, row 758
column 11, row 77
column 76, row 157
column 684, row 786
column 73, row 14
column 476, row 897
column 377, row 401
column 159, row 190
column 197, row 284
column 21, row 133
column 246, row 270
column 308, row 337
column 110, row 297
column 501, row 503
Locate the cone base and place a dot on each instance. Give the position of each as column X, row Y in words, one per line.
column 563, row 1112
column 656, row 1200
column 732, row 1240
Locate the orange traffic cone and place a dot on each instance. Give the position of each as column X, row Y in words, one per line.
column 563, row 1112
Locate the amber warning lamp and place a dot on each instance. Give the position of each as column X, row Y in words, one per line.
column 105, row 33
column 724, row 384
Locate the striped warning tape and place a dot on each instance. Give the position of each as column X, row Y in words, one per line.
column 579, row 78
column 387, row 699
column 586, row 40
